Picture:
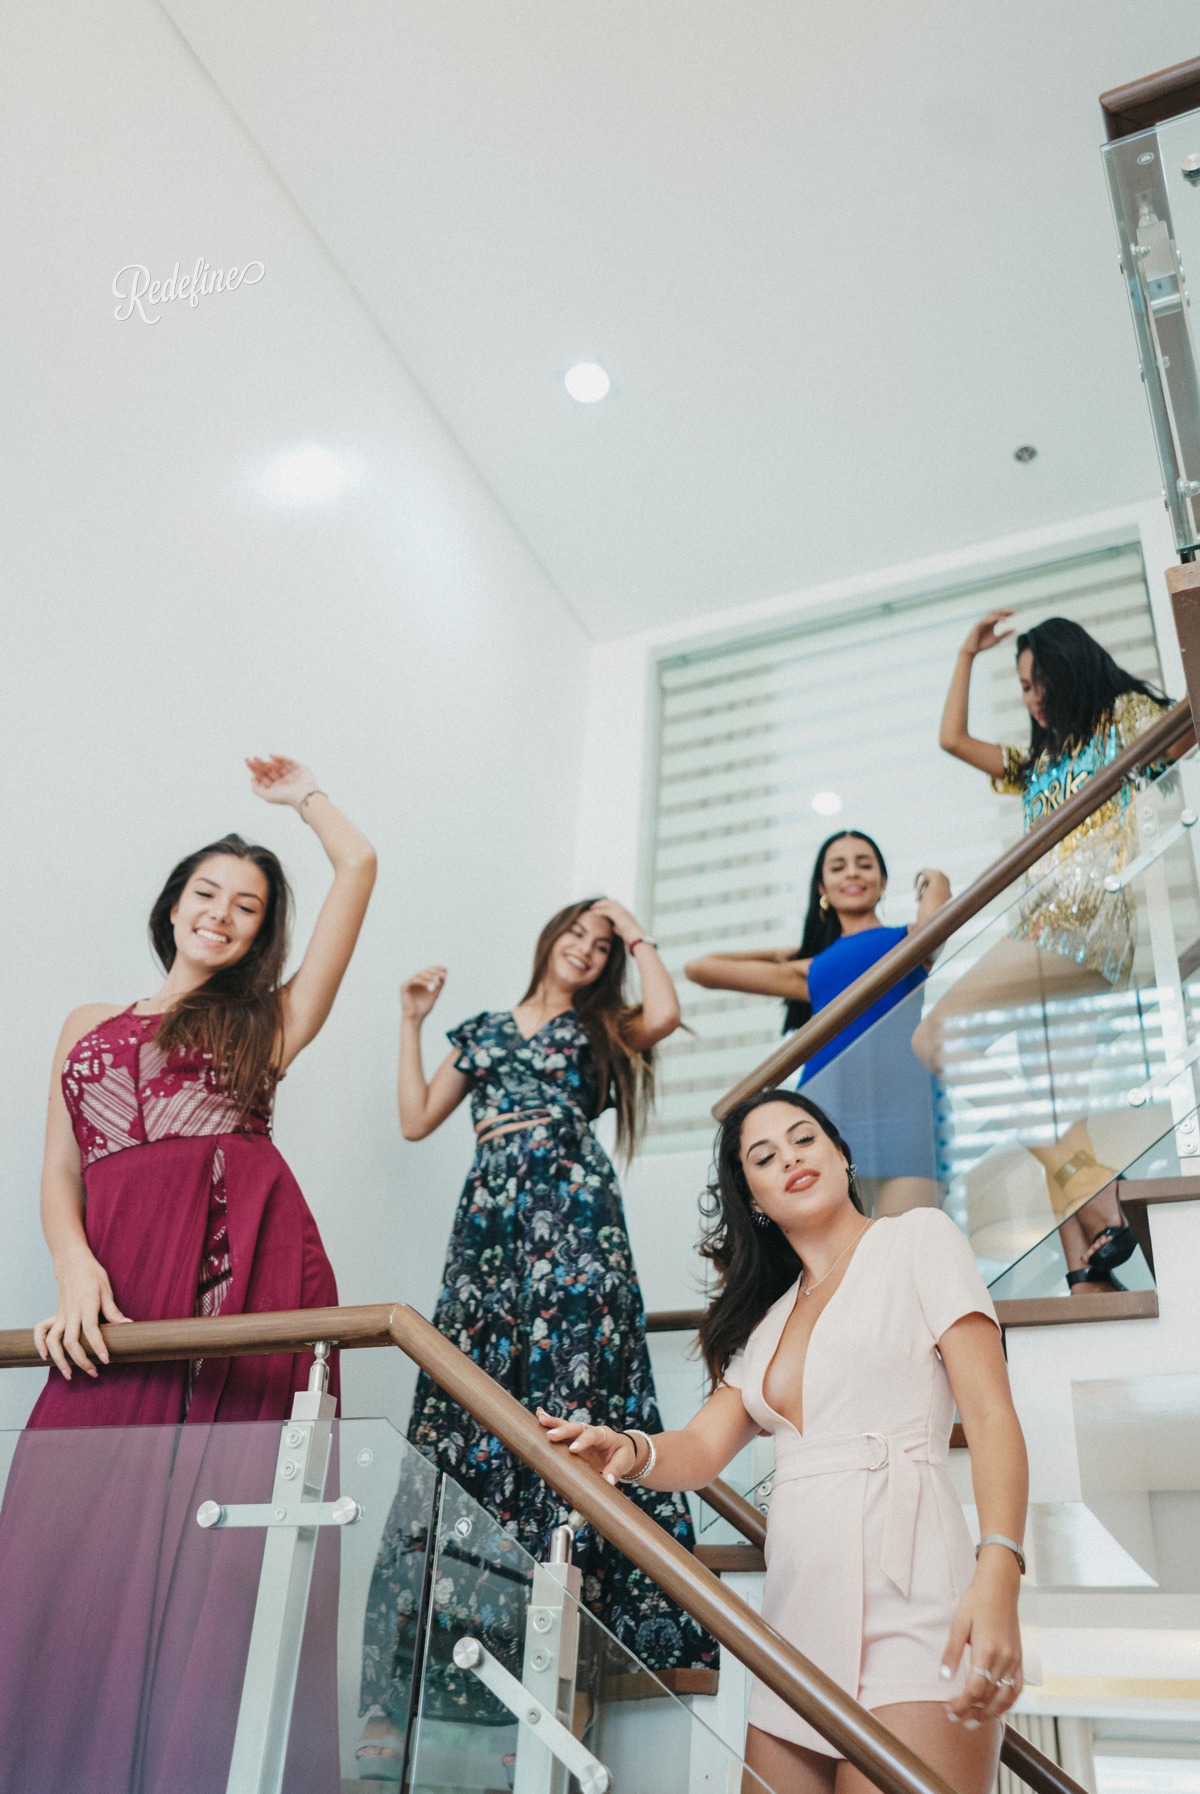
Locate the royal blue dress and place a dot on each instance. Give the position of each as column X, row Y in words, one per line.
column 880, row 1094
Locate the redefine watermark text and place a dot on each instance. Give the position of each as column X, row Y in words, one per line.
column 136, row 291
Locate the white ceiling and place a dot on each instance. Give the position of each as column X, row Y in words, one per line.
column 839, row 261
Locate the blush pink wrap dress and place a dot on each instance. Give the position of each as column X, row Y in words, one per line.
column 868, row 1553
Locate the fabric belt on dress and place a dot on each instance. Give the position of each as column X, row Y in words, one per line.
column 494, row 1127
column 894, row 1455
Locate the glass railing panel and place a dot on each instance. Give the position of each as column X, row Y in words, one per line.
column 524, row 1689
column 1015, row 1081
column 1041, row 1271
column 159, row 1587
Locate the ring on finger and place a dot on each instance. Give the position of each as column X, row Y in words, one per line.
column 1008, row 1682
column 976, row 1671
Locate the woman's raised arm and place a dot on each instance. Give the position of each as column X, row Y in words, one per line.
column 954, row 736
column 308, row 995
column 424, row 1103
column 660, row 1004
column 771, row 973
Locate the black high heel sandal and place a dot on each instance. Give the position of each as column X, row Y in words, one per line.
column 1093, row 1273
column 1122, row 1244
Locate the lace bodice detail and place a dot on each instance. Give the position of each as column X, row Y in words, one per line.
column 554, row 1069
column 120, row 1091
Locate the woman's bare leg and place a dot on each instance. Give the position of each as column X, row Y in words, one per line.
column 1011, row 973
column 967, row 1760
column 786, row 1768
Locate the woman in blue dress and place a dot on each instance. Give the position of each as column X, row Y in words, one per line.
column 539, row 1285
column 882, row 1096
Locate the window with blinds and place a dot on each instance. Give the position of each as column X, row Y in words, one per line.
column 750, row 733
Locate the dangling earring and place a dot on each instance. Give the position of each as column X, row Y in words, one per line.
column 824, row 904
column 759, row 1219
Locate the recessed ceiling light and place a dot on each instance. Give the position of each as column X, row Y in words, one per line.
column 826, row 803
column 311, row 475
column 1026, row 452
column 586, row 382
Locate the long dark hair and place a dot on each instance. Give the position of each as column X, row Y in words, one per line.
column 626, row 1078
column 821, row 926
column 754, row 1264
column 1080, row 683
column 235, row 1015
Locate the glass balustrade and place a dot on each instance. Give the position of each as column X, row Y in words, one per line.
column 183, row 1608
column 523, row 1689
column 186, row 1610
column 1023, row 1080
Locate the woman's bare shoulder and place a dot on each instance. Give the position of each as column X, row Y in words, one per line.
column 81, row 1021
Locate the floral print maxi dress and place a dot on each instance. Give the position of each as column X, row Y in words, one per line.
column 540, row 1290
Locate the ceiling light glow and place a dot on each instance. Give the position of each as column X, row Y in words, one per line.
column 586, row 382
column 826, row 803
column 311, row 475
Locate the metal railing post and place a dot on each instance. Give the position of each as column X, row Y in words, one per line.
column 293, row 1518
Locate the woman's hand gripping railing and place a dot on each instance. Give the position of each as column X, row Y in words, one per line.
column 849, row 1727
column 920, row 946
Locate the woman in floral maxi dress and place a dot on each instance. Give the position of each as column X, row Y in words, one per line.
column 539, row 1286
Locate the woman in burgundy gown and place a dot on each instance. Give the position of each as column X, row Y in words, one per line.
column 164, row 1197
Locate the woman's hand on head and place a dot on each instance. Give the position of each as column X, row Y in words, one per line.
column 986, row 1625
column 419, row 993
column 85, row 1297
column 985, row 635
column 602, row 1448
column 278, row 780
column 624, row 922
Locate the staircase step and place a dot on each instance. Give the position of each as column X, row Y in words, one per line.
column 640, row 1685
column 1138, row 1195
column 1068, row 1311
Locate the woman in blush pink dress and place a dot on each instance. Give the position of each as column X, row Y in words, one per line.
column 164, row 1197
column 851, row 1341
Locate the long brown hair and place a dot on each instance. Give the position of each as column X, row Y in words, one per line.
column 755, row 1264
column 626, row 1078
column 235, row 1015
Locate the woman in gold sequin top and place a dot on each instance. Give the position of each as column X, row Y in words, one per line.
column 1073, row 938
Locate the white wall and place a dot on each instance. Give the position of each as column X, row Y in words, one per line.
column 662, row 1189
column 161, row 620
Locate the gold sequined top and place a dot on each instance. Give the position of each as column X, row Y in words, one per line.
column 1066, row 907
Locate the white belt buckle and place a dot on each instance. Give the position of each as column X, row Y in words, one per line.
column 884, row 1446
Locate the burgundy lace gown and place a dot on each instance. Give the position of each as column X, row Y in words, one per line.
column 123, row 1625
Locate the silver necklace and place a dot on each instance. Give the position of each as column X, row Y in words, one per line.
column 807, row 1289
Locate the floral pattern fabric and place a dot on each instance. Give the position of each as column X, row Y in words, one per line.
column 540, row 1289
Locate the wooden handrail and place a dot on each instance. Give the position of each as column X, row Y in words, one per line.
column 224, row 1336
column 919, row 946
column 853, row 1731
column 1151, row 99
column 725, row 1500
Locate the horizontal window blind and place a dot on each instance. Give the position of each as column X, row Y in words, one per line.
column 749, row 733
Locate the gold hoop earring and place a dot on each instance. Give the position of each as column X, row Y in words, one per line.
column 824, row 901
